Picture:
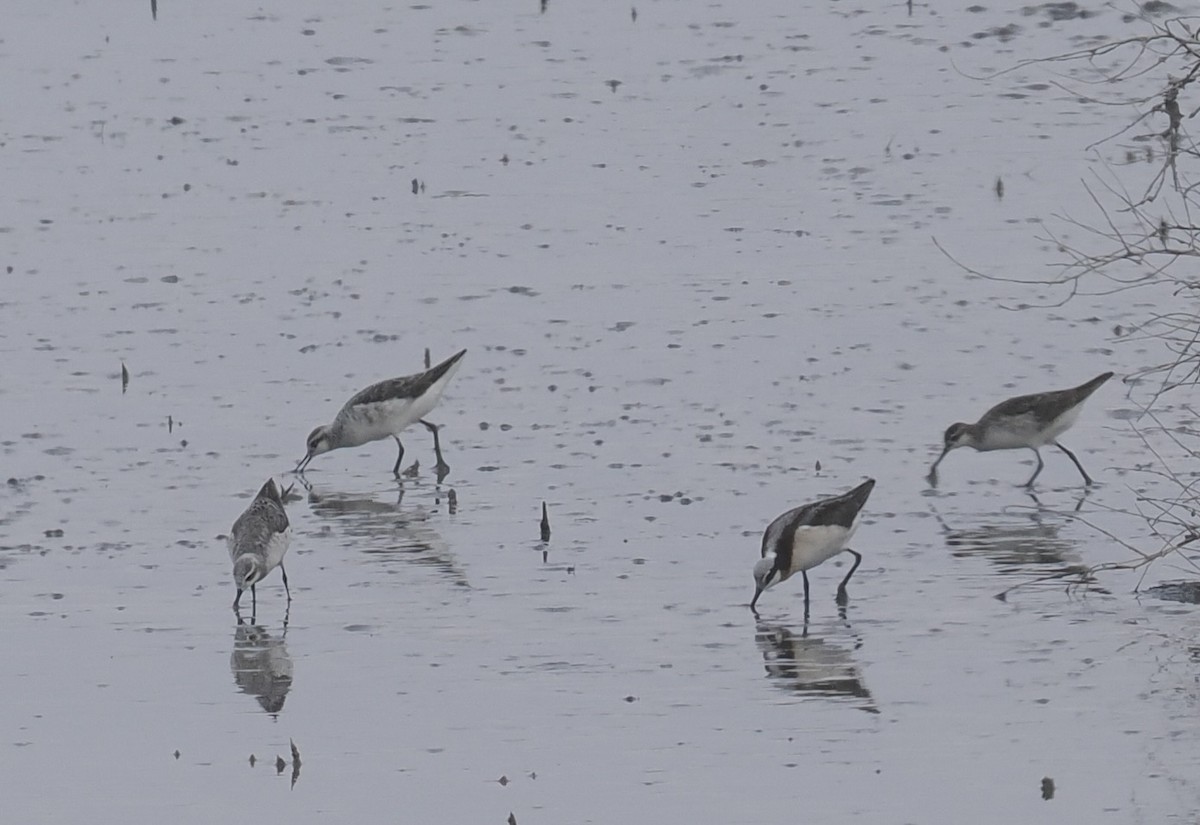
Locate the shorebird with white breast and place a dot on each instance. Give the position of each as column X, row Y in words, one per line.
column 808, row 535
column 385, row 409
column 258, row 541
column 1024, row 422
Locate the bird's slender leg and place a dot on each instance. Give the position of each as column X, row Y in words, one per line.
column 441, row 468
column 399, row 458
column 842, row 598
column 1086, row 478
column 253, row 602
column 1039, row 467
column 285, row 584
column 804, row 575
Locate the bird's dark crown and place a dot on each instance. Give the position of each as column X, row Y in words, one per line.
column 955, row 432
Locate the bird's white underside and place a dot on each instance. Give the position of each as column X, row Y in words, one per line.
column 817, row 543
column 1023, row 431
column 371, row 422
column 277, row 546
column 272, row 554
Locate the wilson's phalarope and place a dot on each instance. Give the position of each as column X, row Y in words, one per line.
column 385, row 409
column 804, row 537
column 257, row 542
column 1027, row 421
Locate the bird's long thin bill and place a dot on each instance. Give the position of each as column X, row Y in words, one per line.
column 754, row 601
column 302, row 464
column 933, row 469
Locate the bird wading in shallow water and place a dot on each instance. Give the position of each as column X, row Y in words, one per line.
column 1024, row 422
column 804, row 537
column 258, row 541
column 385, row 409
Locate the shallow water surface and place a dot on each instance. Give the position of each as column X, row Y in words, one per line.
column 691, row 255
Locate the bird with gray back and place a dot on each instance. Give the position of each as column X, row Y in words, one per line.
column 809, row 535
column 1024, row 422
column 258, row 541
column 383, row 410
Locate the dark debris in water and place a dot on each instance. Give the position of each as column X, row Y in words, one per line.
column 1001, row 33
column 1047, row 788
column 1186, row 591
column 1155, row 8
column 1059, row 11
column 678, row 495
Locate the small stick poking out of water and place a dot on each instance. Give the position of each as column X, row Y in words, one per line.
column 295, row 762
column 154, row 9
column 545, row 523
column 999, row 188
column 124, row 378
column 427, row 361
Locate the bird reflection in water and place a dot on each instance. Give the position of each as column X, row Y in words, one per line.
column 386, row 531
column 1022, row 543
column 811, row 666
column 261, row 665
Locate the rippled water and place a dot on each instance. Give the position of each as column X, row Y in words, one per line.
column 691, row 252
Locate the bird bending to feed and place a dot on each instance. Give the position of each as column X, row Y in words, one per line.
column 385, row 409
column 804, row 537
column 257, row 542
column 1027, row 421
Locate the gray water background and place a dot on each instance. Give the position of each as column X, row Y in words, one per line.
column 691, row 255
